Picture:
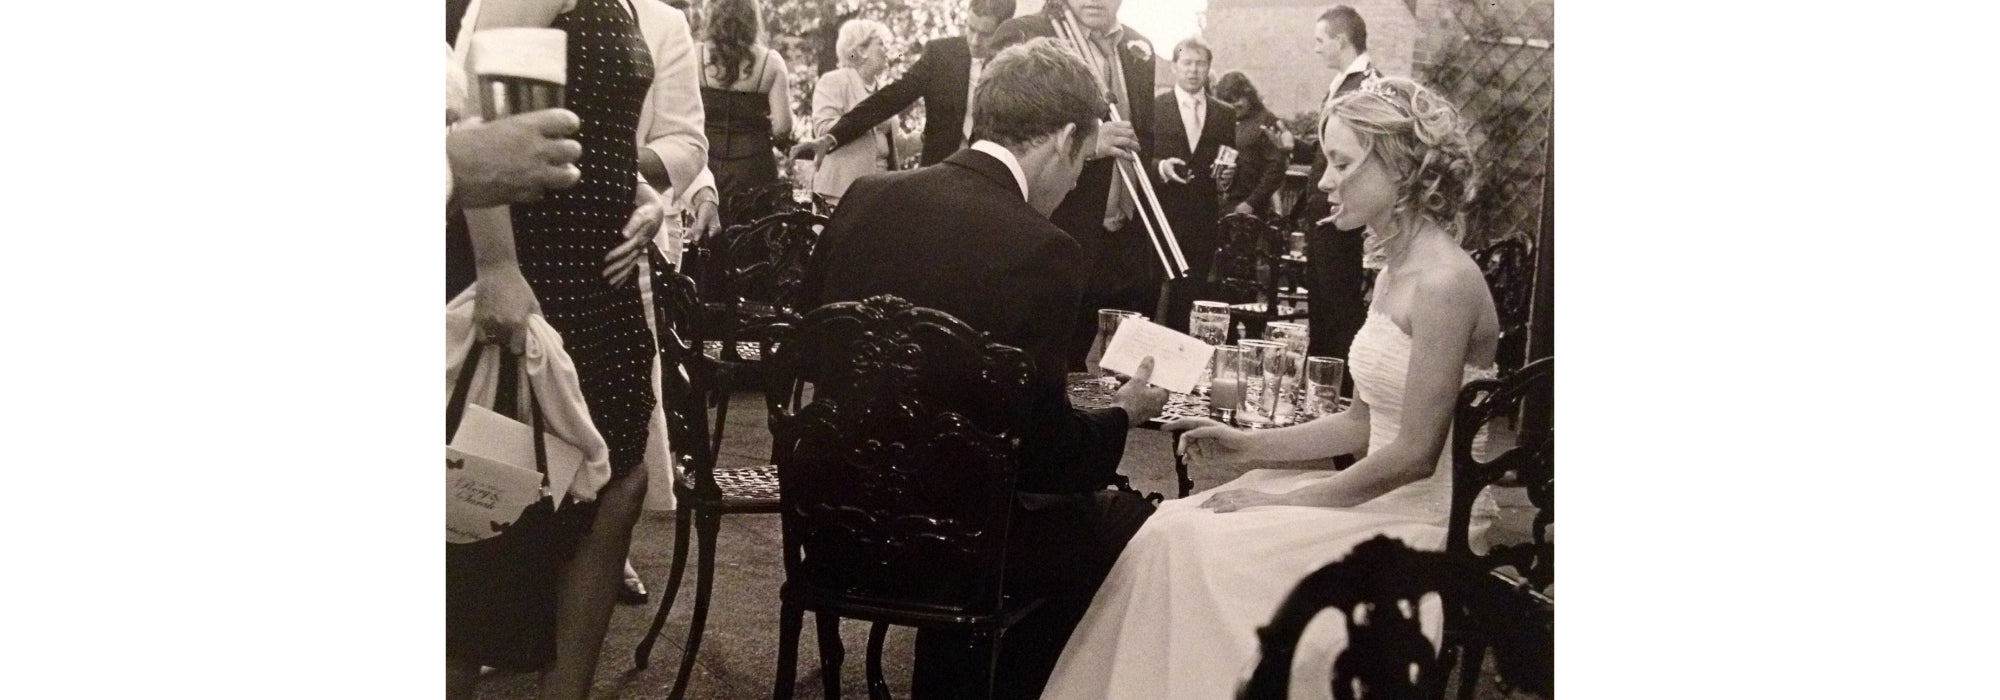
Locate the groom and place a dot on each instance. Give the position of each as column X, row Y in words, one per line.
column 971, row 237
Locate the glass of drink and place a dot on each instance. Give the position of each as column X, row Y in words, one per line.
column 1323, row 375
column 1108, row 321
column 1225, row 383
column 1261, row 382
column 1208, row 322
column 517, row 70
column 1291, row 365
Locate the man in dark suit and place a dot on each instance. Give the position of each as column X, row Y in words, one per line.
column 1124, row 271
column 1187, row 168
column 942, row 77
column 1333, row 257
column 970, row 236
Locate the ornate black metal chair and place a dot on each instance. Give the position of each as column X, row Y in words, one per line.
column 1251, row 274
column 898, row 477
column 749, row 276
column 775, row 198
column 1380, row 587
column 1508, row 600
column 1509, row 267
column 703, row 493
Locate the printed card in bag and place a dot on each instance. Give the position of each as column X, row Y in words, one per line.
column 512, row 442
column 483, row 496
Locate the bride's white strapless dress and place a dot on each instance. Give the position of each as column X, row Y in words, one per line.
column 1178, row 615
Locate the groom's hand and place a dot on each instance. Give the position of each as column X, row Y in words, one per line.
column 1141, row 400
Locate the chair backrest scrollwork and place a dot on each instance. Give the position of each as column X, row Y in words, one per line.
column 897, row 479
column 1509, row 268
column 1379, row 587
column 1245, row 260
column 1507, row 594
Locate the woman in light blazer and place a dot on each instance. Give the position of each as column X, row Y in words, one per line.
column 863, row 47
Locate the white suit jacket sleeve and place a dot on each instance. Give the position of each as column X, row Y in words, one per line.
column 671, row 122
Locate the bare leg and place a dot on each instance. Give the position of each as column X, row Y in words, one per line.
column 589, row 588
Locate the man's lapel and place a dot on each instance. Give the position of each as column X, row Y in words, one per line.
column 1172, row 136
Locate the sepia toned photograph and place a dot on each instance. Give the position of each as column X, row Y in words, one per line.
column 1068, row 349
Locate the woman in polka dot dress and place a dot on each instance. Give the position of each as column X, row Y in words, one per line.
column 551, row 257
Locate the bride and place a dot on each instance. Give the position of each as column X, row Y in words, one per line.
column 1178, row 615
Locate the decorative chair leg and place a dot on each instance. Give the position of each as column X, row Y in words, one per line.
column 790, row 619
column 878, row 689
column 706, row 524
column 1474, row 657
column 1181, row 479
column 986, row 643
column 644, row 654
column 832, row 654
column 725, row 380
column 1434, row 688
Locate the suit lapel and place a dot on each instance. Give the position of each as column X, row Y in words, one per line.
column 958, row 70
column 1173, row 134
column 1138, row 82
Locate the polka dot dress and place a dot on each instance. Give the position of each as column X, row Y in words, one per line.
column 561, row 241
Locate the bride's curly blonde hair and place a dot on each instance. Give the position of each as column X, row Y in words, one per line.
column 1422, row 139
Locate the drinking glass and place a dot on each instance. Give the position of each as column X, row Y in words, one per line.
column 517, row 70
column 1291, row 366
column 1108, row 321
column 1225, row 383
column 1208, row 322
column 1261, row 382
column 1323, row 375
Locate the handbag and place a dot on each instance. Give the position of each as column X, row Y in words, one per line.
column 500, row 592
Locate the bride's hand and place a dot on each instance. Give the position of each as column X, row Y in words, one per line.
column 1210, row 441
column 1231, row 501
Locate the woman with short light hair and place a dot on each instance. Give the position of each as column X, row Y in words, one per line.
column 863, row 46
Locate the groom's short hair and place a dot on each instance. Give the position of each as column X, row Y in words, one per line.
column 1030, row 90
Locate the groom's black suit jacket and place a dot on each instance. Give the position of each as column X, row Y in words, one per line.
column 941, row 77
column 958, row 237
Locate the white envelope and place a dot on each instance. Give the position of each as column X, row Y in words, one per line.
column 1178, row 358
column 507, row 441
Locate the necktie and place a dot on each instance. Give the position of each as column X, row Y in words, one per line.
column 971, row 88
column 1118, row 206
column 1193, row 105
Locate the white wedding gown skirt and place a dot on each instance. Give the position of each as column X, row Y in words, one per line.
column 1178, row 615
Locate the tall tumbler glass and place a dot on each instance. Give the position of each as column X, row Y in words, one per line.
column 517, row 70
column 1291, row 367
column 1108, row 321
column 1208, row 322
column 1323, row 375
column 1261, row 382
column 1225, row 383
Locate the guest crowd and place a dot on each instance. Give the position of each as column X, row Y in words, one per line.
column 1019, row 222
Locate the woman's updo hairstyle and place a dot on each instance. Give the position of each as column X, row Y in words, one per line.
column 1422, row 139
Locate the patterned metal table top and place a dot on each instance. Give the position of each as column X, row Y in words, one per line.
column 1088, row 391
column 744, row 349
